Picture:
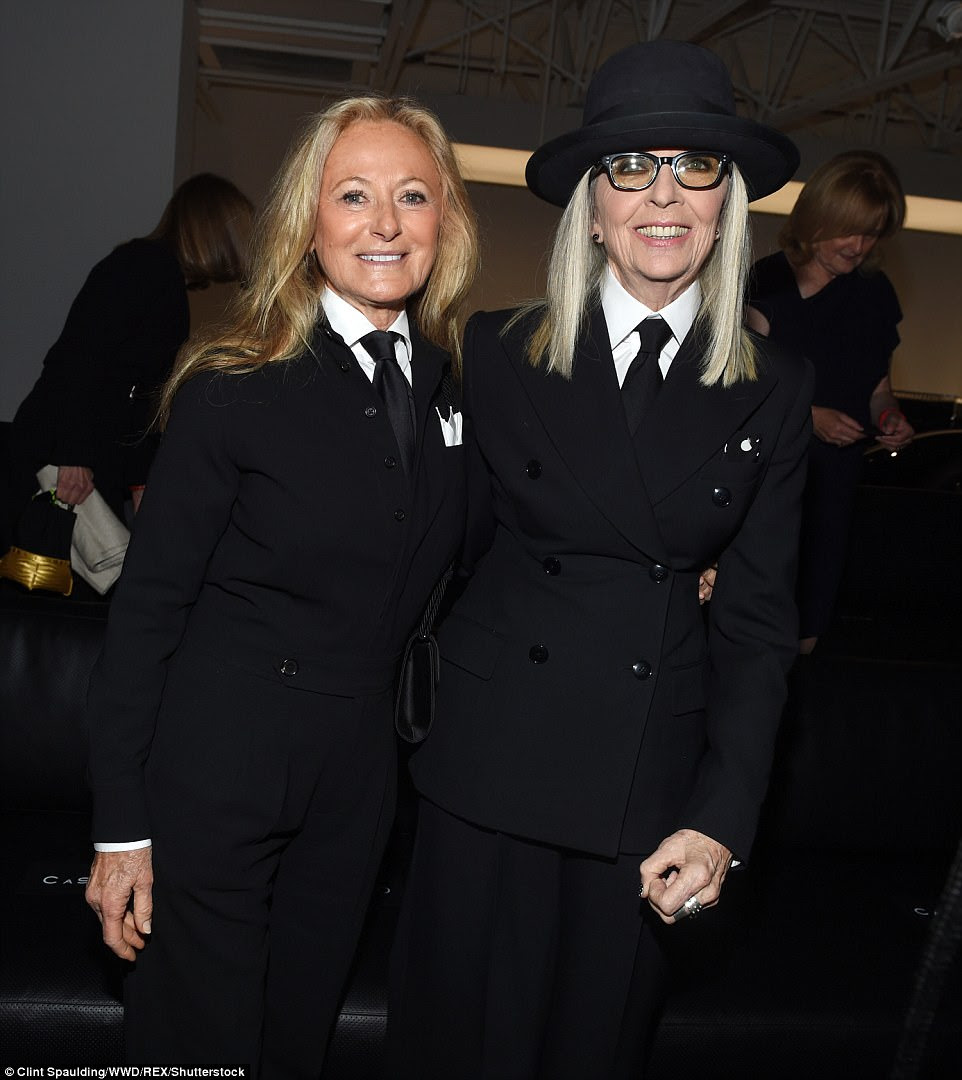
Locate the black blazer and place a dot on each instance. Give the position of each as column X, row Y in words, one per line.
column 277, row 532
column 578, row 668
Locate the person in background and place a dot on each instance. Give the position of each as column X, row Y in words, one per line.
column 593, row 730
column 307, row 495
column 824, row 295
column 93, row 403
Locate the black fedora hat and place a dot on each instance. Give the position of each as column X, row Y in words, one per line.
column 662, row 94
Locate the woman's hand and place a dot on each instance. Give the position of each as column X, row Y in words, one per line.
column 896, row 431
column 706, row 583
column 74, row 483
column 835, row 427
column 686, row 864
column 888, row 417
column 115, row 877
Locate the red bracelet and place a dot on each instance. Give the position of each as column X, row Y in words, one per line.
column 885, row 413
column 135, row 487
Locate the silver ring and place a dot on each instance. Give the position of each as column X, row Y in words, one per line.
column 690, row 909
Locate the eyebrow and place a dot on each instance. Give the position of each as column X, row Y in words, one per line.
column 366, row 180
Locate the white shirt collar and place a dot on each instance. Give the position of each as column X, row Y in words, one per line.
column 623, row 312
column 347, row 321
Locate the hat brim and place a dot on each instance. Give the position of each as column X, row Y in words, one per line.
column 766, row 158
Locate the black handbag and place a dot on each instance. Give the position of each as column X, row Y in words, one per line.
column 420, row 672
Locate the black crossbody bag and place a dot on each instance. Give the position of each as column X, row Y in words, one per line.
column 420, row 672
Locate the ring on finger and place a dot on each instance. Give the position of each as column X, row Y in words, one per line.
column 690, row 909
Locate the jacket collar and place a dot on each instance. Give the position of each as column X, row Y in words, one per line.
column 691, row 422
column 428, row 363
column 584, row 419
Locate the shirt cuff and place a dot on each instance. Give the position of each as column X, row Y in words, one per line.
column 131, row 845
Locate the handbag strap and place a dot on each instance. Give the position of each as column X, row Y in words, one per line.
column 449, row 394
column 426, row 625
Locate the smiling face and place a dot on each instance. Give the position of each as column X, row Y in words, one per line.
column 842, row 254
column 378, row 218
column 657, row 240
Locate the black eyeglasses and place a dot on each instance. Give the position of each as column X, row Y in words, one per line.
column 697, row 170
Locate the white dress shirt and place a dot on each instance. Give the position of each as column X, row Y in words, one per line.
column 623, row 313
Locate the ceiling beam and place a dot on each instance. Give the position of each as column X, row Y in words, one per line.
column 400, row 33
column 495, row 21
column 908, row 29
column 711, row 21
column 835, row 96
column 212, row 19
column 290, row 50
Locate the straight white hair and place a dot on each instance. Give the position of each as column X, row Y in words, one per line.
column 576, row 268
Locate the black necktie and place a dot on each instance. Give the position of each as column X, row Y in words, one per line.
column 394, row 390
column 643, row 378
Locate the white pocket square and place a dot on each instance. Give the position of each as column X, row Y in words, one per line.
column 451, row 428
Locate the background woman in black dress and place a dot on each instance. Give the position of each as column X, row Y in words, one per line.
column 824, row 295
column 89, row 410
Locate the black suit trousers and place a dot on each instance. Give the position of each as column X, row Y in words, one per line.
column 516, row 960
column 270, row 809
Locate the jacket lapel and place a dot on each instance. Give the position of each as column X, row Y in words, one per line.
column 428, row 363
column 584, row 419
column 689, row 422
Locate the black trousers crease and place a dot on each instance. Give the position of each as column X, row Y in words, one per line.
column 270, row 809
column 516, row 960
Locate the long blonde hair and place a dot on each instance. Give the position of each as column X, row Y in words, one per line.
column 272, row 319
column 576, row 268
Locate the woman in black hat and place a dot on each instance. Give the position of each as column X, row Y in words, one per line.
column 588, row 720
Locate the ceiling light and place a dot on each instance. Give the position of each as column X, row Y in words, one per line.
column 945, row 19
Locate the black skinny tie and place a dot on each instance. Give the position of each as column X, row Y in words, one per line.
column 394, row 390
column 643, row 378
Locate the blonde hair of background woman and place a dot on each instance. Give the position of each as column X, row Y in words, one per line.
column 857, row 193
column 576, row 268
column 273, row 317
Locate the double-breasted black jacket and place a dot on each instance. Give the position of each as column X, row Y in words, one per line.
column 278, row 533
column 585, row 700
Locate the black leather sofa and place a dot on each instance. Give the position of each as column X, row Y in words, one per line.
column 809, row 966
column 60, row 989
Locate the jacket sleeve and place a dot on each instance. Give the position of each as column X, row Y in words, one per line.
column 185, row 512
column 753, row 641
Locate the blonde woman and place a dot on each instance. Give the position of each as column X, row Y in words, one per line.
column 307, row 495
column 824, row 295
